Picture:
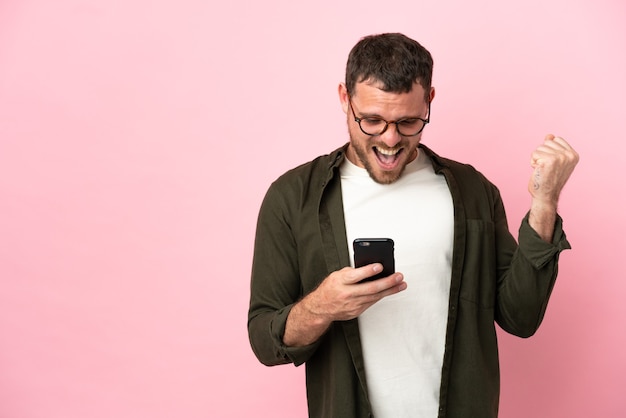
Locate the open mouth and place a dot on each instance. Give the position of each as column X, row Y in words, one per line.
column 387, row 157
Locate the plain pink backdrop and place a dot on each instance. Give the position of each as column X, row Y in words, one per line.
column 138, row 138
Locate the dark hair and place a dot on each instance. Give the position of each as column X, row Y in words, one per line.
column 393, row 59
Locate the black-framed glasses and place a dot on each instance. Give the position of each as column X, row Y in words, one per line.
column 374, row 126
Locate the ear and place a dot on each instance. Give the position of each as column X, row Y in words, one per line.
column 343, row 97
column 432, row 94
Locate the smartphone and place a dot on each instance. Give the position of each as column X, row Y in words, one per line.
column 374, row 250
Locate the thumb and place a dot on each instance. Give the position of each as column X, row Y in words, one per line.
column 535, row 160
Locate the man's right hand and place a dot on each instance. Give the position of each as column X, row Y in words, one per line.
column 340, row 297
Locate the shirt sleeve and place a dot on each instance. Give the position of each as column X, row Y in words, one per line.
column 525, row 288
column 535, row 249
column 275, row 283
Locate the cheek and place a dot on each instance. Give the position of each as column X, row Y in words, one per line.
column 415, row 140
column 361, row 141
column 358, row 136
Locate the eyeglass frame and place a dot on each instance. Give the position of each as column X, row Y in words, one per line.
column 396, row 122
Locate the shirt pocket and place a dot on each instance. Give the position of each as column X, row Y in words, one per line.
column 478, row 282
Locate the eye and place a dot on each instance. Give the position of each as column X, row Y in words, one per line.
column 373, row 121
column 409, row 122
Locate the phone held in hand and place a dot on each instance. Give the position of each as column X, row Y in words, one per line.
column 374, row 250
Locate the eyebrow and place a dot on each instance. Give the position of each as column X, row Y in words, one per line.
column 363, row 115
column 377, row 116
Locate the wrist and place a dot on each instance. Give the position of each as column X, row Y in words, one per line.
column 542, row 217
column 304, row 326
column 309, row 308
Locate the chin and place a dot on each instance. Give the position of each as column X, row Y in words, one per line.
column 385, row 177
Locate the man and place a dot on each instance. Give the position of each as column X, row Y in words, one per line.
column 422, row 341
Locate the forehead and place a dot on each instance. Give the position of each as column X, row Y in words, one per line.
column 371, row 98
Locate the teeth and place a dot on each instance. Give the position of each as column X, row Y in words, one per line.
column 392, row 151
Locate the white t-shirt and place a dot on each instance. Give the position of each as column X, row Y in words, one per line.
column 403, row 335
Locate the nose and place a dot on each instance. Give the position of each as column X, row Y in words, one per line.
column 391, row 137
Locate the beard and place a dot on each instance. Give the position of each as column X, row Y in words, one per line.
column 380, row 176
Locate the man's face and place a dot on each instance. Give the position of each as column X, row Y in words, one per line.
column 384, row 156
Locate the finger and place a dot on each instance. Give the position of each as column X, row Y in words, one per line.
column 542, row 150
column 386, row 285
column 557, row 148
column 364, row 272
column 552, row 145
column 556, row 141
column 539, row 156
column 544, row 156
column 563, row 143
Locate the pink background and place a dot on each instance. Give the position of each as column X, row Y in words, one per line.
column 138, row 138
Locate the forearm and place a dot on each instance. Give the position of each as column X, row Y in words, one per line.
column 527, row 281
column 304, row 326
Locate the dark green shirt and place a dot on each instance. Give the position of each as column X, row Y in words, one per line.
column 301, row 239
